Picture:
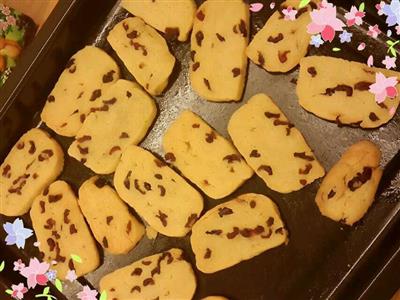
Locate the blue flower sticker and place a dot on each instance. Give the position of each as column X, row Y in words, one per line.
column 17, row 233
column 51, row 275
column 345, row 37
column 392, row 11
column 316, row 40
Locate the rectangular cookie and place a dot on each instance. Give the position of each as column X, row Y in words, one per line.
column 174, row 18
column 218, row 43
column 87, row 75
column 144, row 52
column 204, row 156
column 281, row 43
column 272, row 146
column 124, row 118
column 116, row 230
column 349, row 188
column 159, row 195
column 338, row 90
column 32, row 164
column 62, row 232
column 163, row 275
column 237, row 230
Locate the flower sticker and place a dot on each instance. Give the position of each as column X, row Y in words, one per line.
column 384, row 87
column 374, row 31
column 18, row 265
column 345, row 37
column 18, row 291
column 87, row 294
column 35, row 273
column 289, row 13
column 51, row 275
column 17, row 233
column 316, row 40
column 354, row 16
column 71, row 275
column 389, row 62
column 392, row 12
column 325, row 22
column 5, row 10
column 379, row 8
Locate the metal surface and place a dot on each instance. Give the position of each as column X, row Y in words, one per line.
column 322, row 255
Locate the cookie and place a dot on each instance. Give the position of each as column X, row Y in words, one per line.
column 159, row 195
column 175, row 18
column 250, row 224
column 204, row 156
column 116, row 230
column 144, row 52
column 280, row 44
column 32, row 164
column 338, row 90
column 164, row 275
column 348, row 189
column 272, row 146
column 124, row 119
column 218, row 43
column 87, row 75
column 62, row 232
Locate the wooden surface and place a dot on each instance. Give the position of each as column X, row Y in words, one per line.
column 38, row 10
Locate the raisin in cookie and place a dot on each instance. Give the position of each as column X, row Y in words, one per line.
column 204, row 156
column 219, row 40
column 144, row 52
column 338, row 90
column 159, row 195
column 87, row 75
column 174, row 18
column 32, row 164
column 108, row 217
column 348, row 189
column 281, row 43
column 61, row 231
column 164, row 275
column 272, row 146
column 124, row 119
column 236, row 230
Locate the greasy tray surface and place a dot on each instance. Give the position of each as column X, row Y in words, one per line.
column 320, row 252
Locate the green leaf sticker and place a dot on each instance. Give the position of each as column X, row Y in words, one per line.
column 361, row 7
column 46, row 290
column 304, row 3
column 9, row 291
column 76, row 258
column 2, row 265
column 390, row 43
column 58, row 285
column 103, row 295
column 393, row 52
column 335, row 49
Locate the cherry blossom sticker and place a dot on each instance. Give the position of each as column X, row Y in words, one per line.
column 384, row 87
column 325, row 22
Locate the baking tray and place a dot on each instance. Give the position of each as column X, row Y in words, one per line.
column 323, row 259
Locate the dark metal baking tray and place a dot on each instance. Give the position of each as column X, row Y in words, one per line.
column 323, row 259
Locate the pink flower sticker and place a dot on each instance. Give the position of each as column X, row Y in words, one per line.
column 389, row 62
column 374, row 31
column 354, row 16
column 324, row 21
column 384, row 87
column 289, row 13
column 398, row 29
column 71, row 275
column 18, row 265
column 379, row 7
column 18, row 291
column 35, row 273
column 256, row 7
column 5, row 10
column 87, row 294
